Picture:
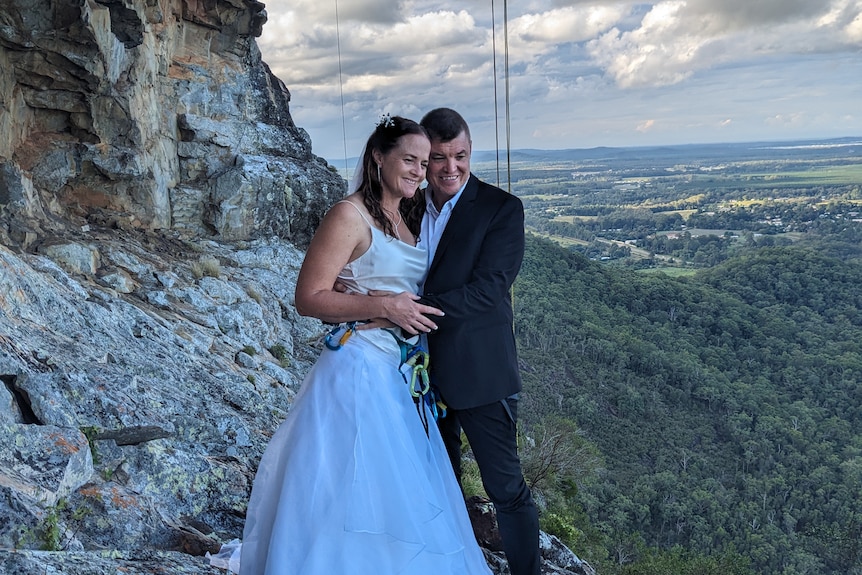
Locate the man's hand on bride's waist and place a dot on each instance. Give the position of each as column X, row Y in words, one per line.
column 404, row 310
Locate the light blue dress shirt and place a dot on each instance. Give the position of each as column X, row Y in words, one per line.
column 434, row 222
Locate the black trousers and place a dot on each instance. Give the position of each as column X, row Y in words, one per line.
column 492, row 434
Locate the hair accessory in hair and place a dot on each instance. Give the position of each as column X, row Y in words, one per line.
column 386, row 121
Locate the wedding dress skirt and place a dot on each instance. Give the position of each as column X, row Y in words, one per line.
column 350, row 484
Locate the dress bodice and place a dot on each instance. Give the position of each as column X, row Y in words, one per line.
column 388, row 264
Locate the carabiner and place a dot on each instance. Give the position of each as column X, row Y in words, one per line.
column 349, row 328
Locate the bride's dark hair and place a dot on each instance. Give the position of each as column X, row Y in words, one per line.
column 384, row 138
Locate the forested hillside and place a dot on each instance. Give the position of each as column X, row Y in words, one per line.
column 720, row 412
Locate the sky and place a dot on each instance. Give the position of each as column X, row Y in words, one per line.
column 581, row 73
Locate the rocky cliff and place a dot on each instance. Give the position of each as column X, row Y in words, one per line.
column 155, row 197
column 152, row 115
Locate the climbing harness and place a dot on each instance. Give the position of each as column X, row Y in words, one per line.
column 416, row 360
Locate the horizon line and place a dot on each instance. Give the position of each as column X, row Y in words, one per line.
column 848, row 139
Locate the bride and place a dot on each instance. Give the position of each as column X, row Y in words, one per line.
column 353, row 483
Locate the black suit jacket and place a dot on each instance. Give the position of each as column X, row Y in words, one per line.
column 473, row 357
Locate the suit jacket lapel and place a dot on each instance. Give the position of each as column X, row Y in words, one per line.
column 459, row 220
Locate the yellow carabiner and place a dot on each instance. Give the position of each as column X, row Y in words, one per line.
column 345, row 337
column 349, row 328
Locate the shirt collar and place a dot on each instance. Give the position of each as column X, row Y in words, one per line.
column 429, row 200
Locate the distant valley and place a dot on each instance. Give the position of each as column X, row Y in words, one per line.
column 684, row 207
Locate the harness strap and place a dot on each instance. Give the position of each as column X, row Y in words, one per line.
column 417, row 359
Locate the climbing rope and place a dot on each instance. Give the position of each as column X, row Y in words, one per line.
column 506, row 93
column 341, row 90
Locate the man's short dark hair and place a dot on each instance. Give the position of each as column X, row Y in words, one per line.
column 444, row 125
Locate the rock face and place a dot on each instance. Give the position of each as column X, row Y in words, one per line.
column 155, row 197
column 133, row 410
column 150, row 114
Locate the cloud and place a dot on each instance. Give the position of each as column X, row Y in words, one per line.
column 846, row 16
column 349, row 11
column 577, row 68
column 784, row 119
column 678, row 38
column 655, row 53
column 370, row 50
column 729, row 15
column 645, row 126
column 634, row 45
column 567, row 24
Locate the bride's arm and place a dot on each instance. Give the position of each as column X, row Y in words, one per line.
column 342, row 237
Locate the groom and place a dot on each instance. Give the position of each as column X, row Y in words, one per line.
column 475, row 236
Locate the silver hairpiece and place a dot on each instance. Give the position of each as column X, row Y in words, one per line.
column 386, row 121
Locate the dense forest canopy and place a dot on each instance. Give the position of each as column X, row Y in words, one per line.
column 723, row 410
column 691, row 343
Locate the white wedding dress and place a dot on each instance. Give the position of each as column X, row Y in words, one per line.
column 350, row 484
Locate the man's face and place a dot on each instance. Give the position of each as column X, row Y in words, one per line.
column 449, row 167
